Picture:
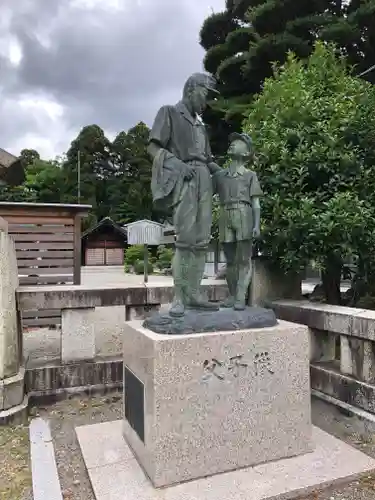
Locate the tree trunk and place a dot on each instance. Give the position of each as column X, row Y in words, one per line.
column 331, row 279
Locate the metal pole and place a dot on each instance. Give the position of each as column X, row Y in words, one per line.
column 367, row 71
column 145, row 262
column 79, row 176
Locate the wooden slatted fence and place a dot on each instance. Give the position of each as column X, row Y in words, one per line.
column 48, row 249
column 45, row 250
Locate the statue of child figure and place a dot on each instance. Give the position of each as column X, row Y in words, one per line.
column 239, row 222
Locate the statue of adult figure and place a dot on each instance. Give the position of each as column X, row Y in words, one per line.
column 181, row 181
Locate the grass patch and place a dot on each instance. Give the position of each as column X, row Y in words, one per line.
column 15, row 472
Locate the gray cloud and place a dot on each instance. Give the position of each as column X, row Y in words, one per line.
column 101, row 64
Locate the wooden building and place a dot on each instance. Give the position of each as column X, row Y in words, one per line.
column 104, row 244
column 48, row 241
column 11, row 169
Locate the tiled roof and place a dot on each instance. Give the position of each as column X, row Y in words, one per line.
column 11, row 169
column 6, row 159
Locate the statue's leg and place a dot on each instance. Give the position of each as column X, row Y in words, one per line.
column 243, row 257
column 231, row 274
column 184, row 217
column 202, row 231
column 180, row 271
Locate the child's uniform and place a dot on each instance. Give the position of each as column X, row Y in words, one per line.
column 236, row 191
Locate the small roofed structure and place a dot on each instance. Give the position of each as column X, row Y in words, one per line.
column 104, row 244
column 166, row 237
column 145, row 232
column 11, row 169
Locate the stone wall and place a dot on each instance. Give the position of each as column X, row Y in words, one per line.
column 88, row 314
column 9, row 337
column 13, row 402
column 342, row 340
column 342, row 349
column 270, row 282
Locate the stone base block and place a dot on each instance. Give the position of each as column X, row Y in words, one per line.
column 201, row 404
column 16, row 415
column 13, row 402
column 115, row 474
column 12, row 390
column 225, row 319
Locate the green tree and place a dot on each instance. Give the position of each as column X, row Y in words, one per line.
column 44, row 179
column 42, row 184
column 130, row 192
column 90, row 151
column 244, row 41
column 20, row 194
column 29, row 156
column 314, row 136
column 114, row 177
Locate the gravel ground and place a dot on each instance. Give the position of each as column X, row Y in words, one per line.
column 64, row 416
column 15, row 473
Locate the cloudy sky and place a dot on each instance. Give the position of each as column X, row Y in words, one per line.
column 69, row 63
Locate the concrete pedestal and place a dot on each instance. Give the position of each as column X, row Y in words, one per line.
column 13, row 404
column 197, row 405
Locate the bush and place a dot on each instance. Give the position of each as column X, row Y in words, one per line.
column 139, row 267
column 132, row 255
column 165, row 256
column 312, row 130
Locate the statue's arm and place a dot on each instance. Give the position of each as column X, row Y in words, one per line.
column 214, row 168
column 256, row 213
column 153, row 149
column 255, row 195
column 160, row 133
column 160, row 137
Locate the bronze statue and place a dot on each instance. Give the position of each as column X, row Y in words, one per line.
column 239, row 222
column 181, row 180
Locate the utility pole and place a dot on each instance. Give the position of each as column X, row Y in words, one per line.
column 79, row 176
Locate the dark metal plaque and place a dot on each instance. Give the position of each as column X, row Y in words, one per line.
column 134, row 402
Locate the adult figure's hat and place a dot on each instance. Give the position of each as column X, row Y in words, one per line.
column 204, row 80
column 242, row 137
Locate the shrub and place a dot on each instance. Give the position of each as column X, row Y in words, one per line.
column 165, row 256
column 133, row 254
column 313, row 129
column 139, row 267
